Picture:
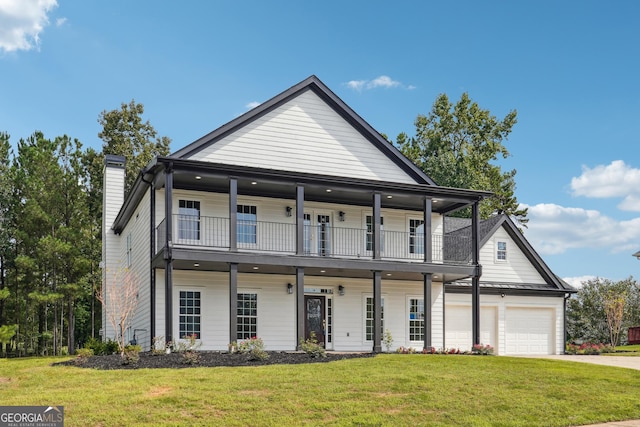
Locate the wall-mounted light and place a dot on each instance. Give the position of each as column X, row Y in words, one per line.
column 341, row 215
column 289, row 288
column 341, row 290
column 502, row 294
column 288, row 210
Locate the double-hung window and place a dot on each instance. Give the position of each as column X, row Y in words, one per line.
column 369, row 242
column 416, row 319
column 369, row 321
column 247, row 224
column 188, row 220
column 247, row 316
column 189, row 321
column 501, row 251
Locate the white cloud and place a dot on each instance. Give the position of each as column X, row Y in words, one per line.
column 60, row 22
column 616, row 179
column 576, row 282
column 22, row 21
column 554, row 229
column 252, row 104
column 380, row 81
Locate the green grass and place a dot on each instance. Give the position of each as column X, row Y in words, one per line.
column 385, row 390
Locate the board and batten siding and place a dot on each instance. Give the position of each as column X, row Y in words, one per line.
column 304, row 135
column 516, row 269
column 138, row 229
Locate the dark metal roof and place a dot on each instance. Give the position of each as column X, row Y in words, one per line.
column 314, row 84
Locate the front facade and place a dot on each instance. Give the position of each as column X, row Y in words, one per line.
column 298, row 218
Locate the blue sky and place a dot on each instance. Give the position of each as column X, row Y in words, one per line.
column 571, row 70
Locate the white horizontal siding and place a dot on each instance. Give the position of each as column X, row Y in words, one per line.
column 304, row 135
column 516, row 269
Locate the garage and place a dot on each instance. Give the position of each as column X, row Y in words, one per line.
column 458, row 326
column 529, row 330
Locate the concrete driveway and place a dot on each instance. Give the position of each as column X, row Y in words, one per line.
column 630, row 362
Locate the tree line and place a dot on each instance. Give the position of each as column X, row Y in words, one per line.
column 50, row 230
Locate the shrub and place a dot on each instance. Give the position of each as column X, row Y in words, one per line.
column 312, row 348
column 254, row 348
column 82, row 354
column 387, row 340
column 588, row 348
column 102, row 348
column 131, row 354
column 482, row 349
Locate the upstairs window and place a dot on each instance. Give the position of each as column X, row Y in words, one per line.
column 188, row 220
column 370, row 233
column 247, row 224
column 501, row 250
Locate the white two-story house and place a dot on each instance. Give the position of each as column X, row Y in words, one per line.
column 298, row 217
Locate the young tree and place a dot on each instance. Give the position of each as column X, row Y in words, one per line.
column 119, row 298
column 6, row 189
column 456, row 144
column 614, row 310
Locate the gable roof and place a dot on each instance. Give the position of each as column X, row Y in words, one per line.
column 456, row 249
column 314, row 84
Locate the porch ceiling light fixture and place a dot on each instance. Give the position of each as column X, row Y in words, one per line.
column 289, row 288
column 198, row 177
column 389, row 196
column 254, row 182
column 341, row 216
column 255, row 267
column 341, row 290
column 195, row 264
column 288, row 210
column 329, row 190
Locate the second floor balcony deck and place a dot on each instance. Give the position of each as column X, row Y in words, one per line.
column 321, row 240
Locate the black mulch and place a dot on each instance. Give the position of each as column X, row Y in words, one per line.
column 206, row 359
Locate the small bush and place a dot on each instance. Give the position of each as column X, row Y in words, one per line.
column 589, row 348
column 191, row 357
column 482, row 349
column 312, row 348
column 102, row 348
column 131, row 354
column 387, row 340
column 254, row 348
column 82, row 354
column 158, row 346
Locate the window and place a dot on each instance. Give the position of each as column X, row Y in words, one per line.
column 188, row 220
column 129, row 249
column 416, row 319
column 189, row 314
column 501, row 251
column 370, row 233
column 416, row 236
column 247, row 224
column 247, row 316
column 369, row 324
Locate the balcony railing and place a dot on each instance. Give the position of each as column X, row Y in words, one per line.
column 318, row 240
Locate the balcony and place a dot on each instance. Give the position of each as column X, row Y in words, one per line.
column 320, row 240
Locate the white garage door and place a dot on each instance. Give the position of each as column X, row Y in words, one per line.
column 529, row 330
column 458, row 326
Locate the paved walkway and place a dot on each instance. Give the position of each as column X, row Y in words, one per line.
column 617, row 361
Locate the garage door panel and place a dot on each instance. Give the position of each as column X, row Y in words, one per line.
column 529, row 330
column 458, row 326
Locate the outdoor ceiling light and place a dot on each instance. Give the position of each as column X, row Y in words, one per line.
column 289, row 288
column 198, row 177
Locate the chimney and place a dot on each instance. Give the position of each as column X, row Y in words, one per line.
column 112, row 199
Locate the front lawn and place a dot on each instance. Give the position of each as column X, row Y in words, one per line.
column 385, row 390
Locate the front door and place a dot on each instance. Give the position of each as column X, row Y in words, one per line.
column 314, row 317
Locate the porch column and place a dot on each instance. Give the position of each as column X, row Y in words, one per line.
column 152, row 252
column 428, row 243
column 475, row 280
column 233, row 214
column 377, row 311
column 233, row 302
column 377, row 229
column 299, row 220
column 427, row 310
column 168, row 256
column 299, row 306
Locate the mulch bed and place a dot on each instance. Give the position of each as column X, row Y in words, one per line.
column 206, row 359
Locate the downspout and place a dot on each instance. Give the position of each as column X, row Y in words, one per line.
column 564, row 320
column 152, row 247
